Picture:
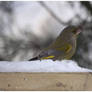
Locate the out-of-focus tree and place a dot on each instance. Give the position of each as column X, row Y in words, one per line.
column 84, row 48
column 47, row 20
column 84, row 45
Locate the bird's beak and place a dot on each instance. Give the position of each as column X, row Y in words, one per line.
column 78, row 31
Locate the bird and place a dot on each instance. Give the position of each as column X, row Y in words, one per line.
column 63, row 47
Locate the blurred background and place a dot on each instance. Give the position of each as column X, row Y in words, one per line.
column 26, row 27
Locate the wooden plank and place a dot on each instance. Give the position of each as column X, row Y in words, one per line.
column 89, row 82
column 45, row 81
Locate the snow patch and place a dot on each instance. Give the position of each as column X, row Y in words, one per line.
column 41, row 66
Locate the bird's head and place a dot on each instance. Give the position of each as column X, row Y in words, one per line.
column 75, row 30
column 72, row 30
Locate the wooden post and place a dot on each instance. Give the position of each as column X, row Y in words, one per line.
column 45, row 81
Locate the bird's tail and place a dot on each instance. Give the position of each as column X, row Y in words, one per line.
column 33, row 59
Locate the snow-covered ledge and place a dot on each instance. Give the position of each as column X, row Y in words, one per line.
column 41, row 66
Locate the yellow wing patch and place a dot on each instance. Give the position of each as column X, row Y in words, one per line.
column 49, row 57
column 68, row 48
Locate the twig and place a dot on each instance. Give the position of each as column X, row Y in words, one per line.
column 52, row 13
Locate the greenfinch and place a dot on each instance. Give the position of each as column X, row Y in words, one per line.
column 63, row 47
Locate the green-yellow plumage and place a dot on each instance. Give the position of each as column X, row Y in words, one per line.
column 63, row 47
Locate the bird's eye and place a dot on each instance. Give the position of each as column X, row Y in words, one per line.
column 74, row 31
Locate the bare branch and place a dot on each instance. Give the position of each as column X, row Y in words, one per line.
column 52, row 13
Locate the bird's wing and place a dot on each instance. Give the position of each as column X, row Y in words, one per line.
column 49, row 54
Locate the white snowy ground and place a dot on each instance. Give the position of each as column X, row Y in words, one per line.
column 41, row 66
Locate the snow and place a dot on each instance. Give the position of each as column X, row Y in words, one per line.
column 41, row 66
